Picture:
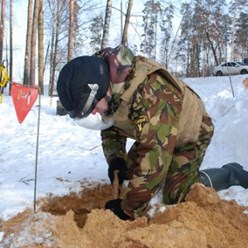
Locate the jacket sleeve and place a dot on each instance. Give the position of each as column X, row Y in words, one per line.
column 155, row 112
column 113, row 144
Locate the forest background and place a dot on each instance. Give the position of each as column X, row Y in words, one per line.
column 37, row 37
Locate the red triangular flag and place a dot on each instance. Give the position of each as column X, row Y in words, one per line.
column 23, row 97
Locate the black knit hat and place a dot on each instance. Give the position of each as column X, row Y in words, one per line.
column 82, row 82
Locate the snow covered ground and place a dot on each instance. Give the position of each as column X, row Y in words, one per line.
column 68, row 153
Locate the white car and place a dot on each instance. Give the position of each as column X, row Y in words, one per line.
column 230, row 68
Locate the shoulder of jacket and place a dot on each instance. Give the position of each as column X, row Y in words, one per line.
column 141, row 68
column 145, row 66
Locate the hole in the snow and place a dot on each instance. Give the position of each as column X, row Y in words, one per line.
column 81, row 203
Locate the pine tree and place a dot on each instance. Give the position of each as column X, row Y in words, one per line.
column 152, row 12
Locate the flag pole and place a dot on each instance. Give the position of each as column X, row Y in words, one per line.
column 37, row 151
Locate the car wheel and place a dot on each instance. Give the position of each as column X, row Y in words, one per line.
column 244, row 71
column 219, row 73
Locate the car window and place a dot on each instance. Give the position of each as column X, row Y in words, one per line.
column 241, row 63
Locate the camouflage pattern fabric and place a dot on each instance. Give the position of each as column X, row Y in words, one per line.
column 184, row 169
column 148, row 109
column 119, row 60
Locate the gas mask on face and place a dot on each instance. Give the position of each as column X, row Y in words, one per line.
column 95, row 122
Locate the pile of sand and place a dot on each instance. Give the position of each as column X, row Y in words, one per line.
column 80, row 221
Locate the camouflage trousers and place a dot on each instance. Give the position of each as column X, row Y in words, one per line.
column 184, row 168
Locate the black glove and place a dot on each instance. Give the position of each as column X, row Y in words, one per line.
column 120, row 165
column 115, row 207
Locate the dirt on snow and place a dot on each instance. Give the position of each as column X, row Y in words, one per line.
column 80, row 221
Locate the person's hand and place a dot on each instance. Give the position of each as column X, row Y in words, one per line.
column 120, row 165
column 115, row 207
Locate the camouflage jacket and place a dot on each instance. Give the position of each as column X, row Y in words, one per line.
column 159, row 113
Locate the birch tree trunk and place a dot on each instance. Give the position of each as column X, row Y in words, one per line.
column 58, row 9
column 50, row 90
column 233, row 31
column 41, row 48
column 10, row 42
column 71, row 25
column 106, row 26
column 53, row 57
column 26, row 75
column 33, row 42
column 2, row 29
column 127, row 22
